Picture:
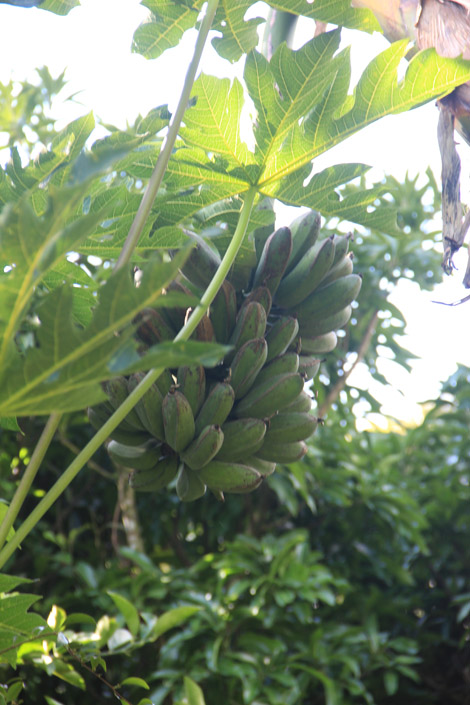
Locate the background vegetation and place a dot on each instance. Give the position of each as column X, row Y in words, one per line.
column 343, row 579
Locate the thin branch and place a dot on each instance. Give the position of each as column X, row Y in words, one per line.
column 164, row 157
column 29, row 475
column 341, row 383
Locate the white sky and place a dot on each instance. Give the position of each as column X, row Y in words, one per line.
column 93, row 44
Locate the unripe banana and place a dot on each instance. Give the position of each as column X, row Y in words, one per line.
column 251, row 323
column 202, row 262
column 282, row 452
column 341, row 247
column 288, row 427
column 116, row 389
column 223, row 312
column 308, row 366
column 203, row 448
column 320, row 344
column 176, row 315
column 328, row 300
column 305, row 230
column 310, row 327
column 165, row 382
column 246, row 365
column 302, row 403
column 230, row 477
column 263, row 296
column 189, row 485
column 135, row 457
column 178, row 420
column 154, row 327
column 341, row 269
column 149, row 407
column 242, row 438
column 98, row 415
column 204, row 332
column 289, row 362
column 157, row 477
column 265, row 399
column 281, row 335
column 264, row 467
column 191, row 381
column 273, row 261
column 216, row 407
column 306, row 275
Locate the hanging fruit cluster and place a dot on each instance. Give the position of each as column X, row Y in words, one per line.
column 225, row 428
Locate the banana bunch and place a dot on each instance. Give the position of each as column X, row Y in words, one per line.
column 226, row 428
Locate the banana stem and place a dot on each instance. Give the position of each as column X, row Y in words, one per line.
column 29, row 475
column 100, row 437
column 165, row 154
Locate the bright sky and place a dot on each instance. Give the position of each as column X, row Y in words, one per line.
column 93, row 44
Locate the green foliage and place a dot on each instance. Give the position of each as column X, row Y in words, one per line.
column 344, row 581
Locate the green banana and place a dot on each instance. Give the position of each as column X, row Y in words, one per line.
column 165, row 382
column 341, row 269
column 341, row 247
column 263, row 296
column 281, row 335
column 251, row 323
column 149, row 407
column 273, row 261
column 308, row 366
column 311, row 327
column 216, row 407
column 98, row 415
column 306, row 275
column 223, row 312
column 303, row 402
column 246, row 365
column 117, row 391
column 230, row 477
column 242, row 438
column 289, row 362
column 328, row 300
column 191, row 381
column 291, row 426
column 267, row 398
column 264, row 467
column 282, row 452
column 202, row 262
column 320, row 344
column 155, row 478
column 189, row 485
column 204, row 330
column 176, row 315
column 203, row 448
column 135, row 457
column 305, row 230
column 178, row 420
column 154, row 328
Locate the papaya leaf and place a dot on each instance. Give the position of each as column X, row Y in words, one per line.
column 337, row 12
column 165, row 27
column 167, row 354
column 59, row 7
column 238, row 36
column 17, row 625
column 213, row 123
column 296, row 140
column 31, row 246
column 63, row 371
